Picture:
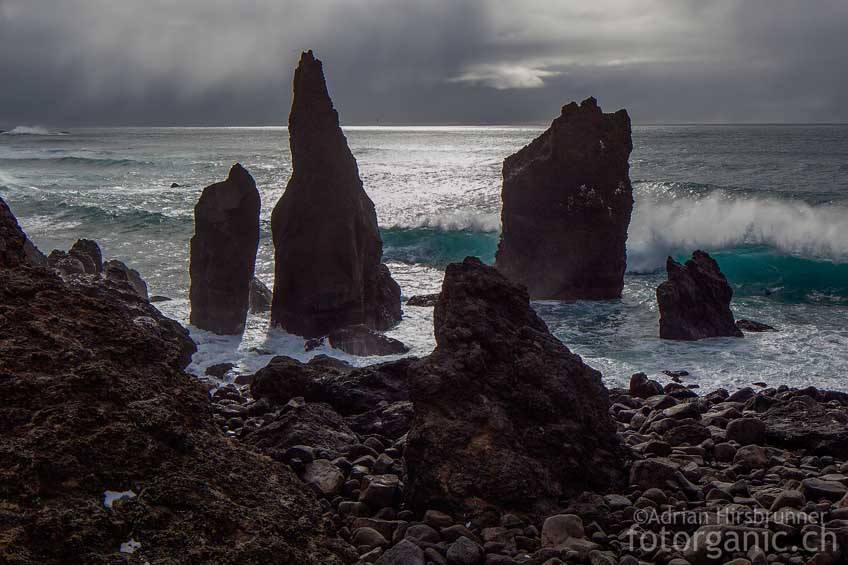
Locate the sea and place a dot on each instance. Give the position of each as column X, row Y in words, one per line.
column 770, row 202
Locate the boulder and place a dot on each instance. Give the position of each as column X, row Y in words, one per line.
column 404, row 553
column 363, row 342
column 312, row 424
column 823, row 431
column 117, row 271
column 643, row 387
column 95, row 399
column 505, row 415
column 88, row 253
column 349, row 391
column 423, row 300
column 753, row 326
column 326, row 239
column 223, row 253
column 260, row 297
column 567, row 201
column 694, row 303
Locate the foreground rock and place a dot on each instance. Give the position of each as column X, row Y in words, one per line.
column 95, row 403
column 328, row 247
column 118, row 271
column 223, row 253
column 505, row 415
column 694, row 303
column 567, row 201
column 12, row 239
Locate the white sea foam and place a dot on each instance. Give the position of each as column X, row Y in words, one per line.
column 459, row 220
column 31, row 130
column 661, row 226
column 112, row 496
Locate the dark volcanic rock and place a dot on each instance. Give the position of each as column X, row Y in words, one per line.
column 260, row 297
column 753, row 326
column 312, row 424
column 223, row 253
column 505, row 415
column 362, row 341
column 88, row 253
column 347, row 390
column 824, row 431
column 423, row 300
column 12, row 238
column 117, row 271
column 694, row 302
column 328, row 247
column 93, row 399
column 567, row 201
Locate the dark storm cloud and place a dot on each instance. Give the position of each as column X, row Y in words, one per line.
column 159, row 62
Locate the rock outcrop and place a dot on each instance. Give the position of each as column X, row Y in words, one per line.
column 118, row 271
column 567, row 201
column 12, row 239
column 223, row 253
column 694, row 303
column 88, row 253
column 328, row 247
column 94, row 407
column 506, row 416
column 260, row 297
column 363, row 341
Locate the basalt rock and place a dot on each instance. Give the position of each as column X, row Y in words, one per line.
column 117, row 271
column 506, row 416
column 12, row 238
column 694, row 302
column 260, row 297
column 363, row 341
column 223, row 253
column 88, row 253
column 754, row 326
column 328, row 247
column 567, row 201
column 348, row 390
column 93, row 398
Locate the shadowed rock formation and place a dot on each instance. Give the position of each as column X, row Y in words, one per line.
column 88, row 253
column 567, row 201
column 505, row 415
column 223, row 253
column 328, row 248
column 694, row 302
column 93, row 399
column 12, row 239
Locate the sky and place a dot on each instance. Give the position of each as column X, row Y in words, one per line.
column 228, row 62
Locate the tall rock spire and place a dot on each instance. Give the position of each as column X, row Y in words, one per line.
column 328, row 273
column 567, row 201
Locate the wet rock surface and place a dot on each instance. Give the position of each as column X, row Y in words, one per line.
column 694, row 303
column 223, row 253
column 567, row 201
column 328, row 247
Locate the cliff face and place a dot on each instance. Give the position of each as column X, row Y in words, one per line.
column 223, row 253
column 328, row 247
column 506, row 417
column 694, row 302
column 567, row 201
column 93, row 398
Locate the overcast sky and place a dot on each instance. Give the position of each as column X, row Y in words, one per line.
column 228, row 62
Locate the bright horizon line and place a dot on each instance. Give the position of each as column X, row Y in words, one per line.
column 424, row 126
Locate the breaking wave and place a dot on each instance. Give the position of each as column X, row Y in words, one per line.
column 32, row 130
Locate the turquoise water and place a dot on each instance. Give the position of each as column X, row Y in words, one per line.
column 769, row 201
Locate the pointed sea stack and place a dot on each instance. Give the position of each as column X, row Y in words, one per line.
column 328, row 247
column 694, row 302
column 567, row 201
column 506, row 417
column 223, row 253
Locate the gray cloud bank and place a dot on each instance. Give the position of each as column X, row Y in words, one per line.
column 226, row 62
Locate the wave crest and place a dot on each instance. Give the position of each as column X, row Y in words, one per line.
column 671, row 225
column 464, row 220
column 31, row 130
